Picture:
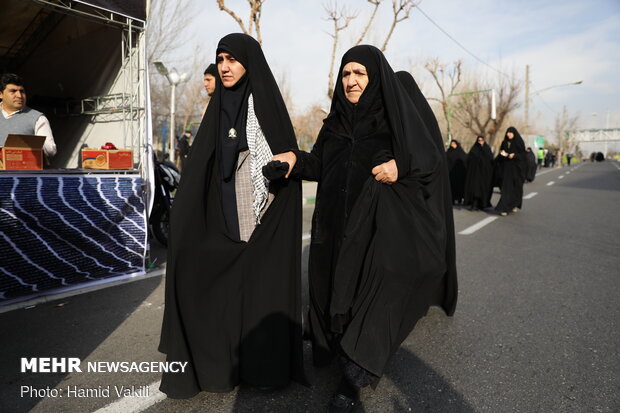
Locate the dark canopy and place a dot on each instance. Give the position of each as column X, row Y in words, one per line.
column 129, row 8
column 233, row 307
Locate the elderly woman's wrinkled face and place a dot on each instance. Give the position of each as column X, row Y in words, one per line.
column 229, row 69
column 354, row 81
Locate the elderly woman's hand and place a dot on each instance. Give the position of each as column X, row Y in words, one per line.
column 386, row 173
column 288, row 157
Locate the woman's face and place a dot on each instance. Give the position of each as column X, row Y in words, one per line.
column 481, row 141
column 354, row 81
column 510, row 135
column 229, row 69
column 453, row 145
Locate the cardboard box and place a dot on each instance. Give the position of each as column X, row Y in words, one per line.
column 22, row 152
column 107, row 159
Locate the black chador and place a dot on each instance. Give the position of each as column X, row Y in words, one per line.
column 380, row 254
column 530, row 174
column 233, row 307
column 510, row 167
column 457, row 161
column 478, row 185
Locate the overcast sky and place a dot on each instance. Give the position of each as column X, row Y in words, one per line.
column 562, row 41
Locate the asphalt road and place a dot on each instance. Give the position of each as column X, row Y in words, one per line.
column 536, row 327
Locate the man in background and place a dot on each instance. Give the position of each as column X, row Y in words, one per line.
column 209, row 78
column 19, row 119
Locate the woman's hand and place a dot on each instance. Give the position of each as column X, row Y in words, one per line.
column 288, row 157
column 510, row 156
column 386, row 173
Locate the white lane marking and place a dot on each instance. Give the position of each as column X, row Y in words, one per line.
column 305, row 236
column 550, row 183
column 561, row 177
column 135, row 404
column 530, row 195
column 545, row 172
column 567, row 172
column 476, row 227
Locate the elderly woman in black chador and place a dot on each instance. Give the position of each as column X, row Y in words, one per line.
column 511, row 168
column 457, row 160
column 478, row 184
column 382, row 248
column 233, row 298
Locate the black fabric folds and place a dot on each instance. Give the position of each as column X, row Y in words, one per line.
column 511, row 171
column 379, row 252
column 478, row 184
column 233, row 308
column 442, row 201
column 532, row 166
column 457, row 165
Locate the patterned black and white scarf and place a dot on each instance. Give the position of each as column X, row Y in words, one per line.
column 260, row 155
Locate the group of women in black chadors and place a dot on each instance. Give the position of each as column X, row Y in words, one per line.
column 473, row 175
column 382, row 247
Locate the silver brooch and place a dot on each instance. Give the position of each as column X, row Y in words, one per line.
column 232, row 133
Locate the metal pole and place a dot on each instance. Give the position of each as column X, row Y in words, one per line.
column 527, row 98
column 172, row 142
column 449, row 113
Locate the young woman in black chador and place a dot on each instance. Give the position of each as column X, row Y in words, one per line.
column 382, row 248
column 233, row 296
column 457, row 160
column 510, row 167
column 478, row 184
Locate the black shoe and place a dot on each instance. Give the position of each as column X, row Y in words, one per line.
column 341, row 404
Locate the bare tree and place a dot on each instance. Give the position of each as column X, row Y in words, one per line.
column 563, row 123
column 340, row 20
column 399, row 7
column 165, row 33
column 468, row 103
column 447, row 79
column 285, row 91
column 165, row 29
column 474, row 110
column 308, row 125
column 376, row 3
column 256, row 7
column 191, row 102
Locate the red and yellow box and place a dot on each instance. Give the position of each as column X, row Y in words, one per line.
column 107, row 158
column 22, row 152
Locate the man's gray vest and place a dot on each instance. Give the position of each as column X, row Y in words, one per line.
column 21, row 123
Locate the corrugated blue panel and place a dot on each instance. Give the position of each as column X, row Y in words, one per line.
column 65, row 230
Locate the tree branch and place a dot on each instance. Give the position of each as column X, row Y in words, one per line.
column 340, row 19
column 232, row 14
column 377, row 3
column 398, row 7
